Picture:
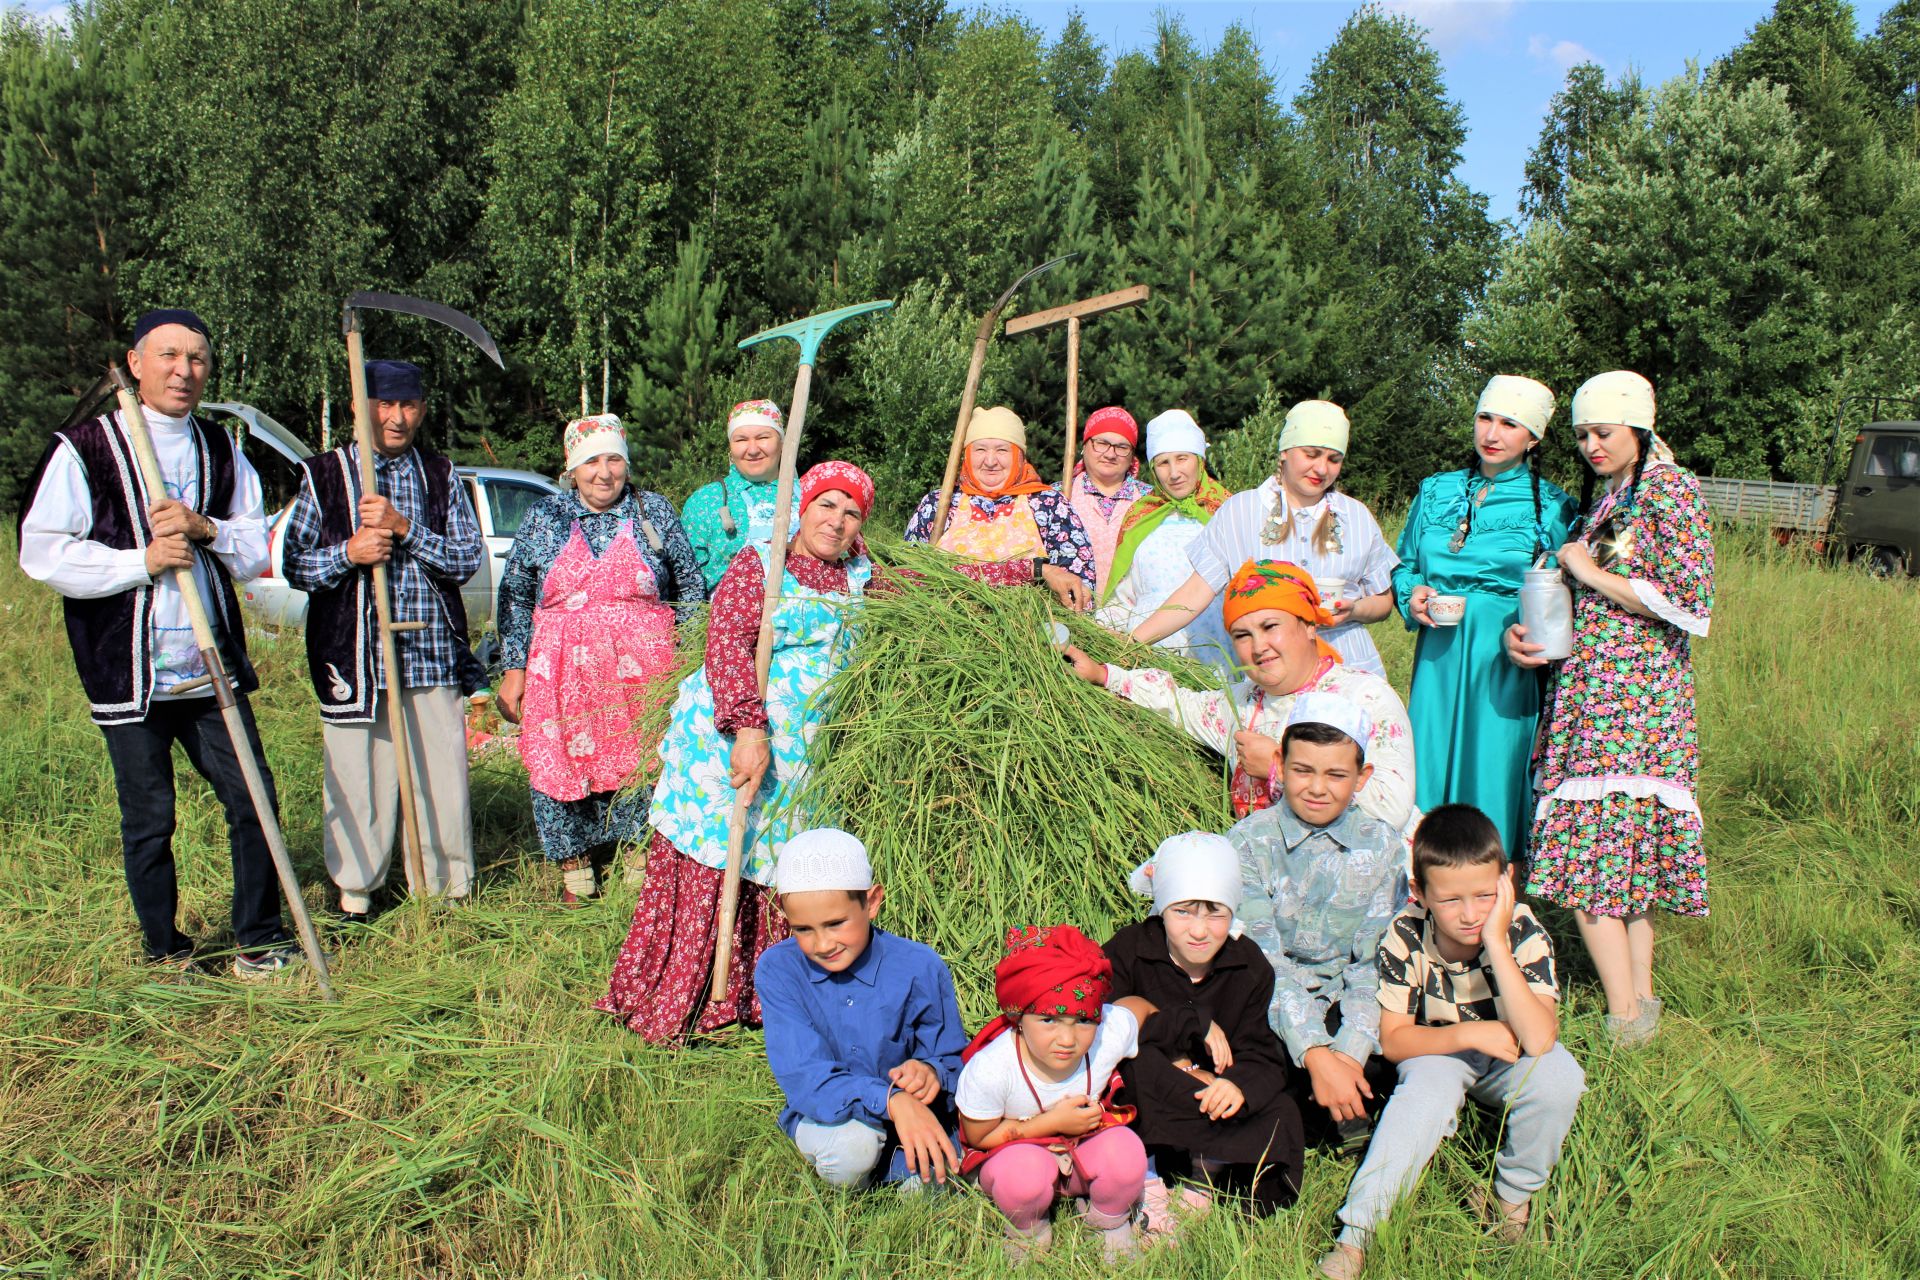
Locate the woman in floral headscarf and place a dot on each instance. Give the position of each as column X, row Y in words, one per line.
column 1274, row 614
column 596, row 581
column 736, row 509
column 1150, row 562
column 724, row 738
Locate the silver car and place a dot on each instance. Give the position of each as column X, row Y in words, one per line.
column 501, row 499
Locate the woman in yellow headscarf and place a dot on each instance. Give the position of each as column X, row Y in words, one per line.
column 1274, row 614
column 1004, row 519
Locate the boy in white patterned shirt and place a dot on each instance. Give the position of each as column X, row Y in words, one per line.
column 1467, row 1008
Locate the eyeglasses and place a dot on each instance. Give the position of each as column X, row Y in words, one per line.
column 1110, row 448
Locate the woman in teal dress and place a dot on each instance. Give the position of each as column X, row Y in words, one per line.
column 1474, row 532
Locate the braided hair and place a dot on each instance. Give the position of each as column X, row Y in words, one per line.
column 1531, row 461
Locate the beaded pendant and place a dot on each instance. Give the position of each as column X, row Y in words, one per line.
column 1461, row 530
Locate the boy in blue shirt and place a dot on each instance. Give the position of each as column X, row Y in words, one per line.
column 1322, row 881
column 863, row 1030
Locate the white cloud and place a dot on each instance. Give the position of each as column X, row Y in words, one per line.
column 1454, row 23
column 1562, row 55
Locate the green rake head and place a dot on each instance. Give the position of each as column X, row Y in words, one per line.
column 810, row 330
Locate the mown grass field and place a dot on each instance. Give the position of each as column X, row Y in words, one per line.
column 461, row 1112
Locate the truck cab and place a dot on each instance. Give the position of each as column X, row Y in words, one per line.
column 1878, row 513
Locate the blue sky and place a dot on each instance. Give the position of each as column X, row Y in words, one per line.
column 1504, row 58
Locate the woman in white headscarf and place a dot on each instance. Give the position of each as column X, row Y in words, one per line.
column 1297, row 516
column 1473, row 532
column 1617, row 831
column 1150, row 562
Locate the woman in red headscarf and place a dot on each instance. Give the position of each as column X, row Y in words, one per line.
column 1273, row 614
column 1034, row 1109
column 725, row 737
column 1004, row 520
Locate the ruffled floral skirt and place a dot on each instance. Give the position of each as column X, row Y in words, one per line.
column 1619, row 855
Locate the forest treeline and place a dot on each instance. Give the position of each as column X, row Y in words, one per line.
column 620, row 190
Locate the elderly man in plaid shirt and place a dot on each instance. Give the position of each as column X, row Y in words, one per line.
column 421, row 526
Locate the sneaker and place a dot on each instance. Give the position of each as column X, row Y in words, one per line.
column 1629, row 1033
column 181, row 965
column 271, row 963
column 1353, row 1136
column 1507, row 1223
column 1342, row 1262
column 1022, row 1247
column 1117, row 1244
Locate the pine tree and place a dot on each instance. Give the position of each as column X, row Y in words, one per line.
column 1583, row 117
column 827, row 208
column 1231, row 310
column 70, row 216
column 684, row 348
column 1076, row 72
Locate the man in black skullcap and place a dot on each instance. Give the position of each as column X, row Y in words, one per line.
column 95, row 535
column 421, row 526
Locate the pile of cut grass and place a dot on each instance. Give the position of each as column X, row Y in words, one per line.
column 461, row 1113
column 990, row 785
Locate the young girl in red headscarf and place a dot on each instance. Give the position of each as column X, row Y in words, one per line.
column 1034, row 1105
column 1273, row 614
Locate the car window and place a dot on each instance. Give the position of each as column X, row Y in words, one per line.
column 511, row 501
column 279, row 478
column 1895, row 456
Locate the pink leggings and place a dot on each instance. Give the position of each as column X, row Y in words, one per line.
column 1024, row 1179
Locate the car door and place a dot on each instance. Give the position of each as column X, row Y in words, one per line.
column 1883, row 490
column 477, row 592
column 507, row 504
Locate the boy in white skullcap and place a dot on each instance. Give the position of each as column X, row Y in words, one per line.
column 1323, row 880
column 1210, row 1077
column 863, row 1029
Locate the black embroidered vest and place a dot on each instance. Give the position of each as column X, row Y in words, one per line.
column 112, row 636
column 341, row 628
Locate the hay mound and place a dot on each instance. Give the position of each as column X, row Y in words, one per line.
column 991, row 787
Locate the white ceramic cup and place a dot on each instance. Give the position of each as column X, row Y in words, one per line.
column 1330, row 589
column 1446, row 611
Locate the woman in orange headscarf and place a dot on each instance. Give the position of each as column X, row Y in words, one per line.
column 1274, row 614
column 1004, row 519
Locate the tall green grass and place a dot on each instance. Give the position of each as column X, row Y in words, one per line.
column 461, row 1112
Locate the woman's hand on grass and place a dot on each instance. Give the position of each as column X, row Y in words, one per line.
column 1084, row 667
column 1069, row 588
column 1257, row 752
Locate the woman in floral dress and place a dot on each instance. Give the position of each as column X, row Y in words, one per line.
column 1617, row 828
column 596, row 581
column 723, row 735
column 1003, row 519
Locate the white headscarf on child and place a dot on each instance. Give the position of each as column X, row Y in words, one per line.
column 1194, row 866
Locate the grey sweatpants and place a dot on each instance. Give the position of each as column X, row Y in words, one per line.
column 845, row 1154
column 1539, row 1095
column 362, row 798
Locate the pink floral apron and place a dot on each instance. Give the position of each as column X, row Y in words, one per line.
column 1008, row 533
column 600, row 638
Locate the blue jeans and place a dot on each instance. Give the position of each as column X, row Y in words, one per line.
column 142, row 756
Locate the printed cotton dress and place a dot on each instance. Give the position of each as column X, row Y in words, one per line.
column 1617, row 828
